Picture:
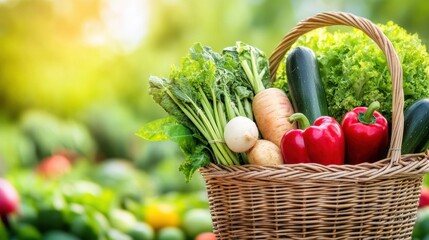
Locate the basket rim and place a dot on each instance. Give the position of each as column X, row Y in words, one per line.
column 410, row 165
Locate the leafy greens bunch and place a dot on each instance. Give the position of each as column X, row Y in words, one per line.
column 201, row 96
column 355, row 73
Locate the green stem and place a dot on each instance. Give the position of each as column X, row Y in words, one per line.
column 241, row 111
column 222, row 156
column 301, row 119
column 221, row 114
column 205, row 103
column 229, row 158
column 207, row 127
column 248, row 109
column 235, row 108
column 368, row 117
column 219, row 111
column 230, row 113
column 245, row 158
column 260, row 77
column 191, row 115
column 206, row 122
column 257, row 77
column 217, row 114
column 208, row 112
column 232, row 157
column 225, row 155
column 249, row 75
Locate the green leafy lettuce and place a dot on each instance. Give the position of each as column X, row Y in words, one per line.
column 354, row 70
column 201, row 95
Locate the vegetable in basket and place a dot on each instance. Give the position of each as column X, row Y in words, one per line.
column 240, row 134
column 321, row 143
column 416, row 128
column 354, row 71
column 366, row 134
column 201, row 97
column 305, row 86
column 271, row 107
column 265, row 153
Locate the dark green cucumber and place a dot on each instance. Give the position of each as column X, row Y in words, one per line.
column 305, row 86
column 416, row 127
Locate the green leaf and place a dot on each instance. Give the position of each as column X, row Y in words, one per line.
column 156, row 130
column 182, row 136
column 168, row 129
column 243, row 92
column 199, row 158
column 255, row 64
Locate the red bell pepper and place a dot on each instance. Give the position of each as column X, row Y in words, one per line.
column 366, row 133
column 321, row 143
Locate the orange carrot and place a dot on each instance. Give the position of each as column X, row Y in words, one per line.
column 272, row 108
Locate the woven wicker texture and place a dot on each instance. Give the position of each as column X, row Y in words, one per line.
column 310, row 201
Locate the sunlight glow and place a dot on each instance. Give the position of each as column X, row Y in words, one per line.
column 124, row 24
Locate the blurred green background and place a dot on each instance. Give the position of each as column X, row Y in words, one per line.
column 74, row 73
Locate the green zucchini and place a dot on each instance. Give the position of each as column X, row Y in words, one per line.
column 416, row 127
column 305, row 86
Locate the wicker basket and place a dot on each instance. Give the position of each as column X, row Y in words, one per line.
column 310, row 201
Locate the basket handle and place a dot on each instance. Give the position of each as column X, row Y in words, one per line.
column 347, row 19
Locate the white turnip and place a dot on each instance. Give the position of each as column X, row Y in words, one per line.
column 240, row 134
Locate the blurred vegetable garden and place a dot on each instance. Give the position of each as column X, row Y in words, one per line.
column 74, row 92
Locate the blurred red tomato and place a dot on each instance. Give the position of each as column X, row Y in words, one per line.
column 206, row 236
column 54, row 166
